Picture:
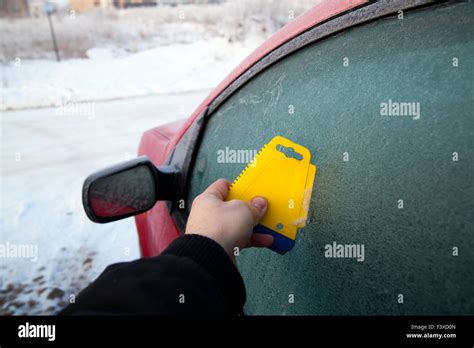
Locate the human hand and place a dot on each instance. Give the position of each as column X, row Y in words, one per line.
column 228, row 223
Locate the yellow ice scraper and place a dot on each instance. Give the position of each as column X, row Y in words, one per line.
column 282, row 173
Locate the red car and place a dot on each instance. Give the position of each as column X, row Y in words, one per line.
column 382, row 95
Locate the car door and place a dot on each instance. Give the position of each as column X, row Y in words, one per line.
column 385, row 106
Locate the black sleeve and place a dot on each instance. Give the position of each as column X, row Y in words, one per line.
column 194, row 276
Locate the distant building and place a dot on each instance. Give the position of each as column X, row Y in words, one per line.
column 134, row 3
column 14, row 8
column 85, row 5
column 35, row 8
column 24, row 8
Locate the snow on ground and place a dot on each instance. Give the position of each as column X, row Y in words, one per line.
column 111, row 74
column 45, row 156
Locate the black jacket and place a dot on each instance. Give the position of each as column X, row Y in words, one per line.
column 194, row 276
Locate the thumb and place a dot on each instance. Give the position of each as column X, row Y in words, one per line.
column 258, row 206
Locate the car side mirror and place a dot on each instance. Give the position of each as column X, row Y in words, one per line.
column 126, row 189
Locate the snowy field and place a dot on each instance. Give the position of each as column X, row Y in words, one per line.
column 108, row 54
column 107, row 75
column 121, row 73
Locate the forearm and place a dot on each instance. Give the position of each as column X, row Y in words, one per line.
column 194, row 276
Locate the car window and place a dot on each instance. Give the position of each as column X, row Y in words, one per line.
column 386, row 110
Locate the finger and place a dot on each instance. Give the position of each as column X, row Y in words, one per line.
column 261, row 240
column 219, row 189
column 258, row 206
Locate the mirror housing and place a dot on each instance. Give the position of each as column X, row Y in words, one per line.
column 127, row 189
